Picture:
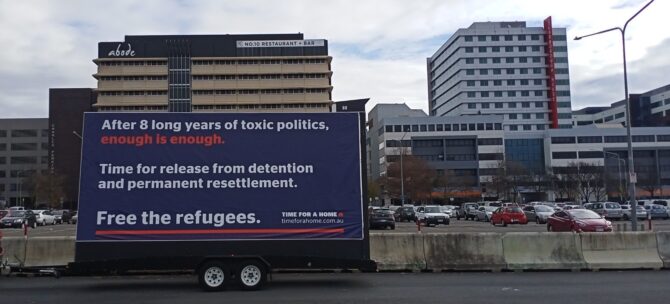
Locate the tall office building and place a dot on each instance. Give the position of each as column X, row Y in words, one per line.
column 231, row 73
column 503, row 68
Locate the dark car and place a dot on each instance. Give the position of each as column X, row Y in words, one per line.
column 381, row 218
column 405, row 214
column 578, row 220
column 467, row 211
column 62, row 216
column 16, row 219
column 3, row 213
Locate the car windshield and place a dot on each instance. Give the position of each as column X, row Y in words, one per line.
column 612, row 206
column 382, row 212
column 583, row 214
column 58, row 212
column 514, row 210
column 541, row 208
column 432, row 210
column 16, row 213
column 491, row 208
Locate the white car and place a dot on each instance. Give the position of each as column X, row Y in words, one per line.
column 44, row 217
column 431, row 215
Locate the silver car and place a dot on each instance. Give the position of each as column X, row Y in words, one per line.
column 484, row 213
column 538, row 213
column 608, row 210
column 640, row 213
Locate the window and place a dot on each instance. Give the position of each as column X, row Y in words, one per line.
column 471, row 127
column 497, row 82
column 539, row 127
column 489, row 141
column 590, row 154
column 521, row 37
column 512, row 116
column 525, row 104
column 447, row 127
column 484, row 83
column 539, row 115
column 485, row 105
column 508, row 37
column 23, row 160
column 539, row 104
column 510, row 82
column 439, row 127
column 469, row 60
column 535, row 48
column 455, row 127
column 524, row 82
column 469, row 72
column 538, row 93
column 619, row 115
column 499, row 105
column 511, row 105
column 481, row 49
column 509, row 60
column 415, row 128
column 513, row 127
column 481, row 38
column 563, row 140
column 23, row 133
column 561, row 71
column 495, row 38
column 495, row 49
column 483, row 72
column 470, row 83
column 643, row 138
column 558, row 49
column 482, row 60
column 589, row 139
column 534, row 37
column 472, row 105
column 496, row 60
column 509, row 49
column 522, row 49
column 511, row 93
column 423, row 128
column 468, row 38
column 523, row 59
column 537, row 81
column 562, row 93
column 664, row 138
column 523, row 71
column 559, row 38
column 509, row 71
column 526, row 127
column 23, row 147
column 537, row 70
column 563, row 155
column 497, row 71
column 498, row 94
column 537, row 60
column 468, row 49
column 484, row 94
column 561, row 59
column 565, row 115
column 490, row 156
column 525, row 115
column 497, row 126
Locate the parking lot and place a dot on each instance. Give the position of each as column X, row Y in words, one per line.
column 454, row 226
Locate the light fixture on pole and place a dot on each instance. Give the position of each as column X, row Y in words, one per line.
column 632, row 179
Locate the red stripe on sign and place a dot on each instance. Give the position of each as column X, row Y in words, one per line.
column 216, row 231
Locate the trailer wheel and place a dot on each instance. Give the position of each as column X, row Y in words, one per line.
column 251, row 275
column 212, row 276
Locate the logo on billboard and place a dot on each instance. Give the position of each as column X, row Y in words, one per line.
column 122, row 53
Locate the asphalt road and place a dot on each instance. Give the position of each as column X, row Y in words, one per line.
column 518, row 288
column 454, row 226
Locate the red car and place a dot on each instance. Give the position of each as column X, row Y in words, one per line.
column 508, row 215
column 578, row 220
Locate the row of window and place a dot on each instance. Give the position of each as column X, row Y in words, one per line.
column 525, row 93
column 660, row 103
column 511, row 71
column 22, row 160
column 255, row 77
column 24, row 146
column 132, row 108
column 440, row 127
column 259, row 61
column 264, row 91
column 133, row 78
column 506, row 60
column 526, row 127
column 519, row 37
column 24, row 133
column 261, row 106
column 608, row 139
column 132, row 93
column 133, row 63
column 510, row 49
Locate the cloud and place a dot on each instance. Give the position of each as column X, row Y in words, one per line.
column 379, row 47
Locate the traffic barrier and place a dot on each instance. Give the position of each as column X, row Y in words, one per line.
column 464, row 251
column 663, row 241
column 542, row 251
column 397, row 251
column 620, row 250
column 49, row 251
column 14, row 250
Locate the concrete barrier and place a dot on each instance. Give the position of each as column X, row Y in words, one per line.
column 542, row 251
column 621, row 250
column 397, row 251
column 464, row 251
column 49, row 251
column 663, row 241
column 14, row 250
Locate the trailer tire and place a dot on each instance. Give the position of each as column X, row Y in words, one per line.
column 251, row 275
column 212, row 276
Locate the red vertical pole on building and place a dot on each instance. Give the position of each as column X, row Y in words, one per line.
column 551, row 72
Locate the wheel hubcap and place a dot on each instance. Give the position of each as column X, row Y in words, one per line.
column 250, row 275
column 214, row 276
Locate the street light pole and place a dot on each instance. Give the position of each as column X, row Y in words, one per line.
column 631, row 170
column 402, row 169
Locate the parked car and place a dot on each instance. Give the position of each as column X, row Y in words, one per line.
column 382, row 218
column 608, row 210
column 73, row 218
column 657, row 212
column 3, row 213
column 578, row 220
column 16, row 219
column 468, row 211
column 62, row 216
column 508, row 215
column 485, row 213
column 405, row 213
column 431, row 215
column 448, row 210
column 44, row 217
column 640, row 212
column 538, row 213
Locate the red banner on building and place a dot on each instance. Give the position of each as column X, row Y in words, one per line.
column 551, row 72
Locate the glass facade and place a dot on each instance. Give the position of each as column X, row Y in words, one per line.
column 527, row 152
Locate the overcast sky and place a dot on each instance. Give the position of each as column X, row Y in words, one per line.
column 379, row 48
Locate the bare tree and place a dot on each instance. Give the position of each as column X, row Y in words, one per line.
column 589, row 179
column 649, row 182
column 46, row 188
column 418, row 179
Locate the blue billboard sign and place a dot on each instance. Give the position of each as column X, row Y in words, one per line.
column 215, row 176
